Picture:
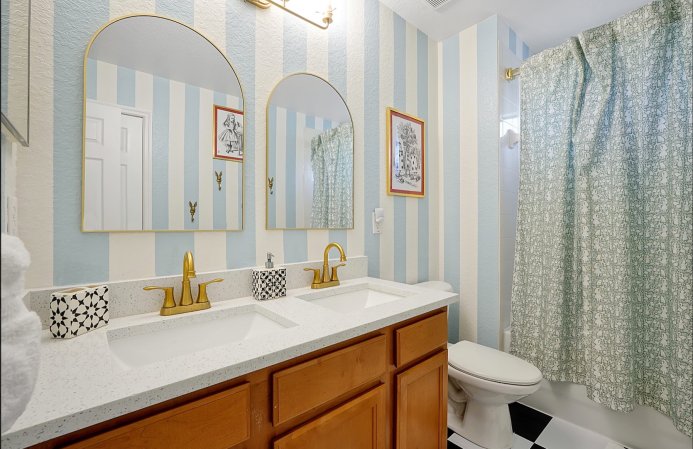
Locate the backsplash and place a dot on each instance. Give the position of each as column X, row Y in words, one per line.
column 127, row 297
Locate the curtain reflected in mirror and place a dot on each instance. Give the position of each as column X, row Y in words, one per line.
column 332, row 164
column 310, row 156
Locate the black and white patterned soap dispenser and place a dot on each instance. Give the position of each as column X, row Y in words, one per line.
column 269, row 282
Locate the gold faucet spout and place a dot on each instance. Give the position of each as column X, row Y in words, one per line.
column 188, row 266
column 188, row 272
column 342, row 256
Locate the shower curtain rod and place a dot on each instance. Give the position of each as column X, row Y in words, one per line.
column 511, row 73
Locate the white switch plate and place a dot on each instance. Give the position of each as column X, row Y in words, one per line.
column 377, row 227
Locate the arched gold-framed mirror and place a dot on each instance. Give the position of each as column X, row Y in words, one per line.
column 163, row 145
column 310, row 156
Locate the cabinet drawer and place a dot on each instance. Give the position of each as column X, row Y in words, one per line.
column 420, row 338
column 217, row 421
column 360, row 423
column 303, row 387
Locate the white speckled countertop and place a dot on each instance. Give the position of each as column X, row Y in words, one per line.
column 82, row 383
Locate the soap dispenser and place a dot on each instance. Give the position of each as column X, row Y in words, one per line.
column 269, row 282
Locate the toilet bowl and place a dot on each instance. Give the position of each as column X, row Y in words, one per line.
column 491, row 380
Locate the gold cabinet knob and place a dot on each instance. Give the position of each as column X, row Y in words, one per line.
column 202, row 291
column 334, row 276
column 168, row 296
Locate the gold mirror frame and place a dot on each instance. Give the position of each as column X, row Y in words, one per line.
column 269, row 183
column 84, row 114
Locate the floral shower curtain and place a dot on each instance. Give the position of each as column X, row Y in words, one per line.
column 603, row 283
column 332, row 161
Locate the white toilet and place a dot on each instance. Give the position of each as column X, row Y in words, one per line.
column 491, row 380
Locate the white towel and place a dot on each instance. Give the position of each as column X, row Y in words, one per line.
column 21, row 333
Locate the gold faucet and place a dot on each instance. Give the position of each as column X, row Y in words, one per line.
column 186, row 303
column 326, row 279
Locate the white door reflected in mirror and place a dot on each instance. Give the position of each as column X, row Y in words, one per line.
column 115, row 153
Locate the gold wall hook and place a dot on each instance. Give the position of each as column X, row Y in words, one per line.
column 270, row 184
column 219, row 175
column 193, row 207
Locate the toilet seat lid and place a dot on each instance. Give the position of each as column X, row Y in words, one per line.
column 492, row 364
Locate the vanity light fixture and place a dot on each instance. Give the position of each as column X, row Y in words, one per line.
column 322, row 10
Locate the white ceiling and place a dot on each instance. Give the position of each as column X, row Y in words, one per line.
column 540, row 23
column 167, row 49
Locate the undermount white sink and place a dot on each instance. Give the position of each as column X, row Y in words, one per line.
column 171, row 337
column 354, row 298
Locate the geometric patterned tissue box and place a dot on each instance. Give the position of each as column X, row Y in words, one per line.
column 269, row 283
column 78, row 310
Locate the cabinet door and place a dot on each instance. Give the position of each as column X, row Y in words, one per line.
column 422, row 404
column 360, row 423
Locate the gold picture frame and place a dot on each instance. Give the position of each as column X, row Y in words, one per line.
column 406, row 154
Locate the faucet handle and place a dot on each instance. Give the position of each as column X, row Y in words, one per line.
column 316, row 275
column 168, row 296
column 334, row 276
column 202, row 291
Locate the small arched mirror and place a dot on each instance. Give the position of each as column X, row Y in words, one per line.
column 310, row 156
column 163, row 130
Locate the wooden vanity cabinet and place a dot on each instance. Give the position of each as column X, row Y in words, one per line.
column 383, row 390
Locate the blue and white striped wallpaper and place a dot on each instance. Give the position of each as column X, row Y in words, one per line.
column 182, row 146
column 289, row 154
column 372, row 56
column 375, row 59
column 471, row 82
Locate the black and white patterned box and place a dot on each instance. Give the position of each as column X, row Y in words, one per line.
column 78, row 310
column 269, row 283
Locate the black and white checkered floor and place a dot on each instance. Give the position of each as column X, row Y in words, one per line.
column 533, row 429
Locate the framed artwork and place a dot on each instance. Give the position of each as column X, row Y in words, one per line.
column 228, row 133
column 405, row 154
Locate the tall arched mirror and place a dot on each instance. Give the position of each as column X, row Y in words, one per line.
column 310, row 156
column 163, row 130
